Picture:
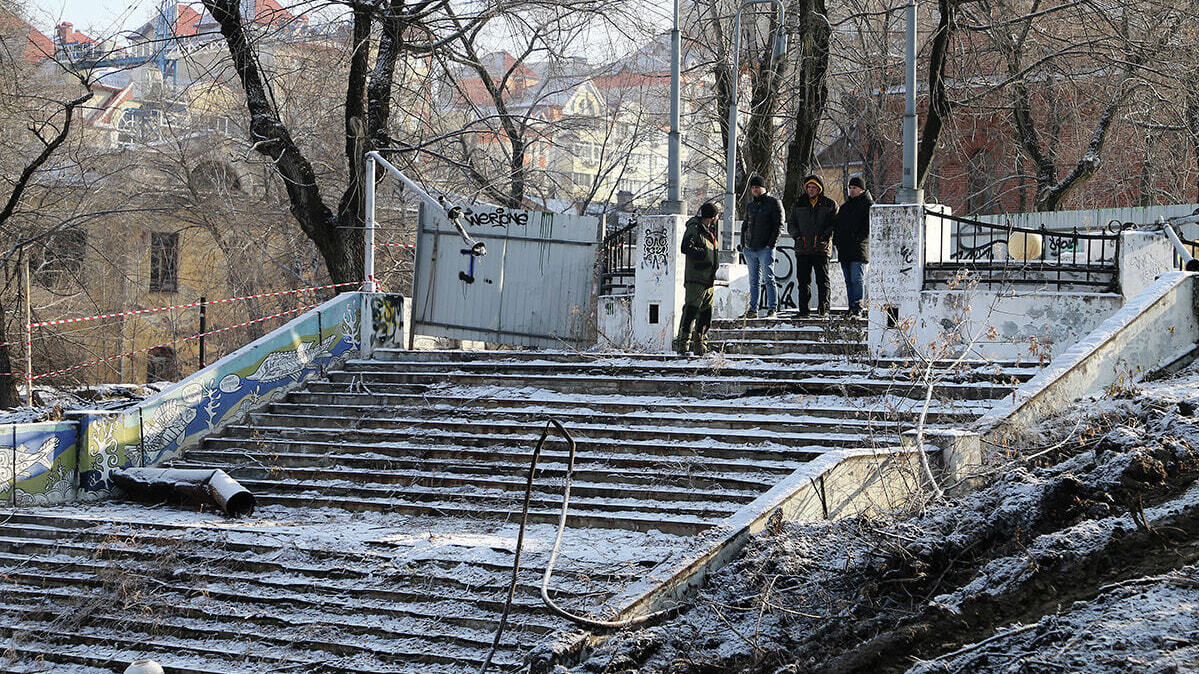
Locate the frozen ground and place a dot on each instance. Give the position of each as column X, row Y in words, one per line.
column 1079, row 555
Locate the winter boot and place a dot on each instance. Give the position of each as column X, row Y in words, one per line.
column 699, row 341
column 682, row 341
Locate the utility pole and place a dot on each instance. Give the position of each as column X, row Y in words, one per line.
column 908, row 194
column 674, row 203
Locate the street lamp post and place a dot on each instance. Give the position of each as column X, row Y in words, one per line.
column 908, row 194
column 674, row 203
column 779, row 51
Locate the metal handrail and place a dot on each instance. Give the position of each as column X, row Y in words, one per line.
column 1114, row 227
column 1182, row 248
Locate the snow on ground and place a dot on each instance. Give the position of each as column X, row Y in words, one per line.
column 1077, row 555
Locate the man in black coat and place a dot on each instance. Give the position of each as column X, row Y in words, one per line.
column 699, row 276
column 811, row 225
column 852, row 238
column 759, row 232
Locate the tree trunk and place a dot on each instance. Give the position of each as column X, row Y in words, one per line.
column 760, row 128
column 939, row 107
column 339, row 242
column 813, row 47
column 9, row 398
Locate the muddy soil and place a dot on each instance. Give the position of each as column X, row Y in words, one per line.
column 1081, row 554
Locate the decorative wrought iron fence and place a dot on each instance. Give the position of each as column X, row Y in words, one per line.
column 998, row 255
column 618, row 268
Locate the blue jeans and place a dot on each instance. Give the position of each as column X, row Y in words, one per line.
column 761, row 273
column 854, row 271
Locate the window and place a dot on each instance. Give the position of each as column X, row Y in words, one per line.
column 582, row 179
column 162, row 364
column 59, row 258
column 164, row 262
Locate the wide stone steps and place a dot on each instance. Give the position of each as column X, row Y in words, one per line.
column 79, row 594
column 731, row 469
column 824, row 364
column 449, row 428
column 715, row 411
column 393, row 381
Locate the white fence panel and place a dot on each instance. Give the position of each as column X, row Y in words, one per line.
column 534, row 287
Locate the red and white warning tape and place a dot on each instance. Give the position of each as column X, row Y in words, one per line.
column 135, row 312
column 394, row 245
column 181, row 339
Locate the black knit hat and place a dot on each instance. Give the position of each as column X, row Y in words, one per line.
column 856, row 181
column 757, row 181
column 709, row 210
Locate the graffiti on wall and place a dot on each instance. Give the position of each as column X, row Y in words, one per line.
column 387, row 322
column 38, row 463
column 224, row 393
column 497, row 218
column 656, row 250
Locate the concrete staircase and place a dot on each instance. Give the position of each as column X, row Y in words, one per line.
column 390, row 494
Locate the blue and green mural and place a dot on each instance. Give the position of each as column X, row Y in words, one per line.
column 41, row 467
column 68, row 461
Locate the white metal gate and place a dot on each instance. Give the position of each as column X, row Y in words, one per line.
column 534, row 287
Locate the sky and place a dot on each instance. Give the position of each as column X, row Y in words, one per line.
column 98, row 16
column 108, row 17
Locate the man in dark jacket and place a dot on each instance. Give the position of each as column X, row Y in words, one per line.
column 852, row 238
column 699, row 275
column 811, row 225
column 759, row 233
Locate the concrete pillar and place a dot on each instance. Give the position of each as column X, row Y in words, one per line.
column 896, row 273
column 1144, row 255
column 658, row 289
column 960, row 455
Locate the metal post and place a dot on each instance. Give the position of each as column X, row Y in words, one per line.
column 674, row 203
column 726, row 237
column 141, row 435
column 203, row 327
column 908, row 194
column 28, row 336
column 368, row 268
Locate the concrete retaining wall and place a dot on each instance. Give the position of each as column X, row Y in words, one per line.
column 1158, row 326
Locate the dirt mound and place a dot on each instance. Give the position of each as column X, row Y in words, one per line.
column 1079, row 555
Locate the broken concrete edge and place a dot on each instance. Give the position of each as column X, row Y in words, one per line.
column 836, row 484
column 1153, row 330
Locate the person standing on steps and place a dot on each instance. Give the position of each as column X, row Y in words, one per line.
column 699, row 248
column 759, row 234
column 852, row 238
column 811, row 224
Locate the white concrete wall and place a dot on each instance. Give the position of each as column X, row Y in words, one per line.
column 614, row 322
column 1032, row 325
column 658, row 291
column 895, row 277
column 1156, row 328
column 1144, row 256
column 731, row 294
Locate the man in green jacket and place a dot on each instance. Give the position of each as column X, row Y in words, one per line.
column 699, row 248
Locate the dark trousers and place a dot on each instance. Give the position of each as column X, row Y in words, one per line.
column 804, row 266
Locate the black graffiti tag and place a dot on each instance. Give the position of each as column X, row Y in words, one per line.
column 657, row 245
column 497, row 218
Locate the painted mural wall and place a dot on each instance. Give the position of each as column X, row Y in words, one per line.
column 64, row 461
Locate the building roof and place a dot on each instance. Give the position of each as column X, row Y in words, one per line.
column 34, row 46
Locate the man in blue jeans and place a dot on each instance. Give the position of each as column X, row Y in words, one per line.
column 759, row 233
column 851, row 235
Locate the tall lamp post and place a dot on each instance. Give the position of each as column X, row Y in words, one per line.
column 674, row 203
column 907, row 193
column 778, row 52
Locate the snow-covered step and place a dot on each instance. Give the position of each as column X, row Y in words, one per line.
column 770, row 347
column 385, row 381
column 717, row 464
column 551, row 403
column 644, row 429
column 796, row 446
